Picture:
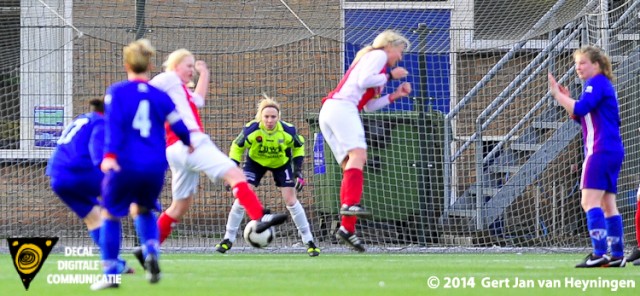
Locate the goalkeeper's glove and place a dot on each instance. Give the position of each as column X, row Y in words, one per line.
column 299, row 180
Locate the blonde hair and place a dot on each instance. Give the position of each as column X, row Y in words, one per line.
column 384, row 39
column 175, row 58
column 138, row 55
column 267, row 102
column 596, row 55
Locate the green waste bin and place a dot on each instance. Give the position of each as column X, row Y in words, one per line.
column 403, row 175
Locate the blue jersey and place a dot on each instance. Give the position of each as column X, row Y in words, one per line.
column 73, row 166
column 80, row 146
column 134, row 132
column 135, row 113
column 599, row 116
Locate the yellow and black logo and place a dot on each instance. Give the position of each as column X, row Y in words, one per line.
column 28, row 254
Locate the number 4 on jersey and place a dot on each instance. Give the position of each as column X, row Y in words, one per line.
column 141, row 120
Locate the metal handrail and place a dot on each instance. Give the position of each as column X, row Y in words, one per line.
column 540, row 103
column 447, row 135
column 482, row 124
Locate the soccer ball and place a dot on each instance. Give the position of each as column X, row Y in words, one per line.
column 258, row 240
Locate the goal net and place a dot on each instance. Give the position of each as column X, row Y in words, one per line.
column 479, row 155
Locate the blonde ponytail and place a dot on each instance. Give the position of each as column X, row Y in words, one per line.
column 384, row 39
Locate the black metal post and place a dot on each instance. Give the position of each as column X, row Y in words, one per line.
column 425, row 219
column 140, row 26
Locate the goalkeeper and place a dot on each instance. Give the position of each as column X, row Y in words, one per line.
column 273, row 145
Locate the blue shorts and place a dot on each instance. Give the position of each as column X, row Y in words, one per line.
column 283, row 176
column 78, row 189
column 600, row 171
column 131, row 186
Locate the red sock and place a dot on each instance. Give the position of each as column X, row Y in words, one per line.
column 165, row 225
column 352, row 183
column 249, row 200
column 349, row 223
column 638, row 224
column 350, row 194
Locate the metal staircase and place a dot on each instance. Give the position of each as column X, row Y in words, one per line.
column 515, row 167
column 522, row 155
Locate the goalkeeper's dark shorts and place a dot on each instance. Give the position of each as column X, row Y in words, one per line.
column 282, row 176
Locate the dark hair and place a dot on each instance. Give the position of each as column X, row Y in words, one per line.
column 97, row 105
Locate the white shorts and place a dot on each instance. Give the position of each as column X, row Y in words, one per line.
column 186, row 168
column 341, row 127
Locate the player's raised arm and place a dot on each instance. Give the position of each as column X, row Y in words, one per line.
column 561, row 94
column 202, row 87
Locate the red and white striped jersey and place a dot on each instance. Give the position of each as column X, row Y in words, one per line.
column 186, row 101
column 363, row 81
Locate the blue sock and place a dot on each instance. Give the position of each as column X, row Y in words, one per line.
column 139, row 229
column 110, row 239
column 147, row 229
column 615, row 235
column 95, row 235
column 597, row 231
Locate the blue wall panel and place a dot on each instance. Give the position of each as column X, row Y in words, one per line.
column 429, row 81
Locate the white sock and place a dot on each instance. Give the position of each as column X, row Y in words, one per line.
column 233, row 222
column 300, row 219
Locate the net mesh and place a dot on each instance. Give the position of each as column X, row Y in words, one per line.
column 478, row 156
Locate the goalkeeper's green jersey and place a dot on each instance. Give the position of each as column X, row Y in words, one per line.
column 271, row 149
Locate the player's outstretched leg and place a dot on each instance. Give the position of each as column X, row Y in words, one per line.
column 350, row 239
column 268, row 220
column 249, row 200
